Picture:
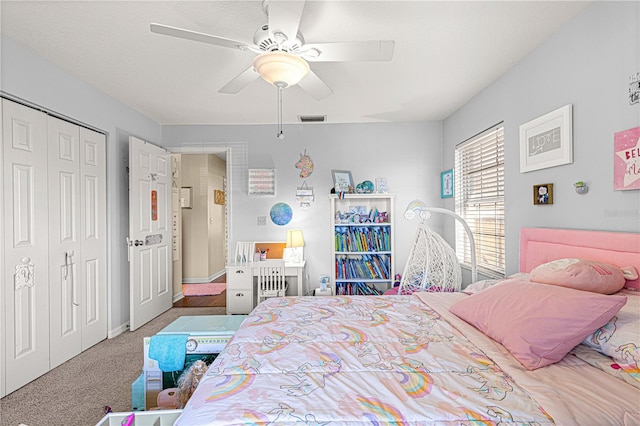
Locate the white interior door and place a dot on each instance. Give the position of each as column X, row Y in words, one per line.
column 77, row 239
column 93, row 236
column 65, row 271
column 25, row 272
column 150, row 254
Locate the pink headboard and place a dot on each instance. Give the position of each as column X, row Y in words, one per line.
column 542, row 245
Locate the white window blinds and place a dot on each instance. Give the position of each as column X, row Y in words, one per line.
column 479, row 198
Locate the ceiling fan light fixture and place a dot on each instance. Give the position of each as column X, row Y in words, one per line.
column 281, row 69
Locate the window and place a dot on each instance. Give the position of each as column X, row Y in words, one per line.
column 479, row 198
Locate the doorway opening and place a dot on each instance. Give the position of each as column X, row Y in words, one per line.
column 201, row 188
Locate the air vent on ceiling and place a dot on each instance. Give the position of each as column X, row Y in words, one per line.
column 312, row 118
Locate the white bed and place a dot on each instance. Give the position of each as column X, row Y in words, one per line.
column 410, row 360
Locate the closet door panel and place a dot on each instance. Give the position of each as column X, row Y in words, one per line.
column 25, row 272
column 93, row 236
column 65, row 251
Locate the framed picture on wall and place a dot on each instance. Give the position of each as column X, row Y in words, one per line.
column 186, row 197
column 218, row 196
column 262, row 182
column 446, row 184
column 626, row 159
column 543, row 193
column 547, row 141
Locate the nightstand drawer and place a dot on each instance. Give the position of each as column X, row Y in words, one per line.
column 239, row 301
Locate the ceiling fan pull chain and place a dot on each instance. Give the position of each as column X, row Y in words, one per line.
column 280, row 134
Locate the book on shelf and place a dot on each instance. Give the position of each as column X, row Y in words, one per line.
column 361, row 239
column 369, row 266
column 356, row 288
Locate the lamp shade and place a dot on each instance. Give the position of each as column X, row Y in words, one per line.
column 294, row 238
column 281, row 69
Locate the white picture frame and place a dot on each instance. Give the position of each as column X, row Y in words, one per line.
column 547, row 141
column 262, row 182
column 186, row 197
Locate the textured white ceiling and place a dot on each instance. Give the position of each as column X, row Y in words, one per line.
column 445, row 53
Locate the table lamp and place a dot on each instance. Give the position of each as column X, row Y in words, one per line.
column 295, row 245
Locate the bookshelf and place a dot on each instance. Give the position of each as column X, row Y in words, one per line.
column 362, row 250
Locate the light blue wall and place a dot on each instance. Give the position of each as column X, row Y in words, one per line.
column 31, row 78
column 587, row 63
column 407, row 154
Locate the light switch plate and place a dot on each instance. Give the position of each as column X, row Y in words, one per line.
column 262, row 221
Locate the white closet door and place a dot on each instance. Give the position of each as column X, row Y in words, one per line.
column 77, row 239
column 25, row 273
column 65, row 251
column 93, row 236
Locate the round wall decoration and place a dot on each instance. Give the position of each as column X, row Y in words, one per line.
column 281, row 214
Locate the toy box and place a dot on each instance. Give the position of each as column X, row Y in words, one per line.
column 208, row 336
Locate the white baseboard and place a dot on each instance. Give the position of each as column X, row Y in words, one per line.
column 177, row 297
column 117, row 331
column 203, row 279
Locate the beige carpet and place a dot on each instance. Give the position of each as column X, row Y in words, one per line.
column 75, row 393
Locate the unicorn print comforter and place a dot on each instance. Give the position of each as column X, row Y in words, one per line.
column 355, row 360
column 360, row 360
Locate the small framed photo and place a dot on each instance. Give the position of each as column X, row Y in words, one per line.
column 342, row 181
column 381, row 186
column 446, row 184
column 547, row 140
column 543, row 193
column 218, row 196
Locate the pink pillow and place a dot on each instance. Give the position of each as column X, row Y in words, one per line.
column 584, row 275
column 539, row 324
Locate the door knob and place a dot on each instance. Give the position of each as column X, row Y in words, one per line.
column 138, row 243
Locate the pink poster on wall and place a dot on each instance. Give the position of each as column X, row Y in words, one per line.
column 626, row 159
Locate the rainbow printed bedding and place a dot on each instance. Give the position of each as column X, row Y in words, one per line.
column 356, row 360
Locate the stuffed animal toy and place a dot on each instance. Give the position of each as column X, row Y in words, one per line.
column 167, row 399
column 188, row 382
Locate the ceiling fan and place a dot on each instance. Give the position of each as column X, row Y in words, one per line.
column 283, row 53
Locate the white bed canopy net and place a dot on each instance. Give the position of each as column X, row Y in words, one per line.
column 432, row 264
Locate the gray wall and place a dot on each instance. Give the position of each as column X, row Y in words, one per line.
column 407, row 154
column 29, row 77
column 587, row 64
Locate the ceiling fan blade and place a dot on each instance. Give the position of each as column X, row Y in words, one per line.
column 349, row 51
column 314, row 86
column 201, row 37
column 240, row 81
column 284, row 17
